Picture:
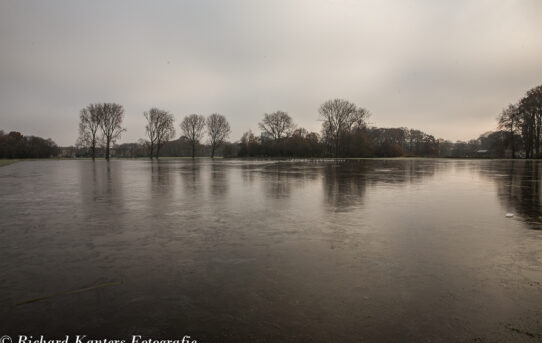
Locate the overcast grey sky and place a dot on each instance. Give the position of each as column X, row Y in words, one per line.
column 445, row 67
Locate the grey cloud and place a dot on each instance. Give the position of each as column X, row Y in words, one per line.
column 446, row 67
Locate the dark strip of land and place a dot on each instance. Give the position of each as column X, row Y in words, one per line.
column 4, row 163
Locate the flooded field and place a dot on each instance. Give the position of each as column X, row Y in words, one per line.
column 273, row 251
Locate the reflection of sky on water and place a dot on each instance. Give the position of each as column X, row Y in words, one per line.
column 228, row 249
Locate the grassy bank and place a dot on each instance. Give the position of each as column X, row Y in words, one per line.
column 4, row 163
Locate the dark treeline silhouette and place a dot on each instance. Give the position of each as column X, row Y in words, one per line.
column 179, row 147
column 299, row 144
column 368, row 142
column 100, row 127
column 344, row 133
column 15, row 145
column 358, row 142
column 521, row 124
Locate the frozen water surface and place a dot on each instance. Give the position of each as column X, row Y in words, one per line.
column 273, row 251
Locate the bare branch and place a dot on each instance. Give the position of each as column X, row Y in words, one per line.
column 193, row 127
column 277, row 124
column 218, row 129
column 160, row 128
column 339, row 117
column 88, row 128
column 110, row 119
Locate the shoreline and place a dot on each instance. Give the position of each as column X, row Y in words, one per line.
column 5, row 162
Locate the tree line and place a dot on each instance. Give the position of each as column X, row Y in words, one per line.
column 15, row 145
column 521, row 125
column 344, row 133
column 101, row 125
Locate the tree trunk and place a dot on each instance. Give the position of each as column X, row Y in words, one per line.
column 107, row 149
column 212, row 151
column 512, row 139
column 157, row 151
column 528, row 141
column 152, row 150
column 337, row 145
column 532, row 139
column 537, row 138
column 93, row 149
column 193, row 150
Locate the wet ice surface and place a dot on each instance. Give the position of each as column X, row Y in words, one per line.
column 269, row 251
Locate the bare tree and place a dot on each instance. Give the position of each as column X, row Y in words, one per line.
column 530, row 108
column 509, row 120
column 88, row 128
column 339, row 117
column 110, row 118
column 159, row 128
column 193, row 127
column 277, row 124
column 218, row 129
